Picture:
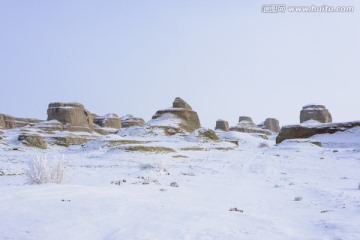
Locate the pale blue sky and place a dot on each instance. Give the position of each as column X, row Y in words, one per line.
column 225, row 58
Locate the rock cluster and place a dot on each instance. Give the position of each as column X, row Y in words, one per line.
column 181, row 114
column 222, row 125
column 110, row 120
column 314, row 119
column 315, row 112
column 129, row 121
column 247, row 125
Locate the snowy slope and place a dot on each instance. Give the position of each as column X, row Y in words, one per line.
column 213, row 177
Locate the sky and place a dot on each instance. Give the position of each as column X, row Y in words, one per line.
column 225, row 58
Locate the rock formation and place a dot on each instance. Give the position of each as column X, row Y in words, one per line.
column 271, row 124
column 8, row 122
column 246, row 125
column 315, row 112
column 306, row 131
column 110, row 120
column 222, row 125
column 180, row 115
column 33, row 140
column 202, row 134
column 73, row 116
column 129, row 120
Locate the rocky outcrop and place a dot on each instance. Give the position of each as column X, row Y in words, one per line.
column 33, row 140
column 180, row 115
column 271, row 124
column 306, row 131
column 129, row 120
column 246, row 125
column 52, row 125
column 8, row 122
column 110, row 120
column 73, row 116
column 179, row 103
column 315, row 112
column 222, row 125
column 202, row 134
column 245, row 119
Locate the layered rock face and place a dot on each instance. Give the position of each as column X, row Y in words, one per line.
column 222, row 125
column 247, row 125
column 315, row 112
column 306, row 131
column 110, row 120
column 180, row 114
column 8, row 122
column 271, row 124
column 73, row 116
column 129, row 121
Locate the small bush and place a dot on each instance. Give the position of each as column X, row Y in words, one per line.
column 40, row 170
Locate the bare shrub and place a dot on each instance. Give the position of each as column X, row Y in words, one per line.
column 157, row 166
column 40, row 170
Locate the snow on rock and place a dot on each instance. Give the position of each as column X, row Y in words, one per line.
column 110, row 120
column 129, row 120
column 349, row 138
column 202, row 134
column 315, row 112
column 308, row 130
column 187, row 119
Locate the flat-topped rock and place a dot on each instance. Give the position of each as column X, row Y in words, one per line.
column 271, row 124
column 306, row 131
column 222, row 125
column 74, row 116
column 315, row 112
column 129, row 121
column 110, row 120
column 245, row 119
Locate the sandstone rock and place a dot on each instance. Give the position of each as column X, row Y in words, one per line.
column 8, row 122
column 32, row 140
column 315, row 112
column 110, row 120
column 271, row 124
column 202, row 134
column 2, row 121
column 246, row 125
column 245, row 119
column 70, row 140
column 74, row 116
column 184, row 117
column 222, row 125
column 129, row 120
column 306, row 131
column 180, row 103
column 52, row 125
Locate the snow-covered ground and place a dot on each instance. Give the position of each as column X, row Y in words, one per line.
column 258, row 178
